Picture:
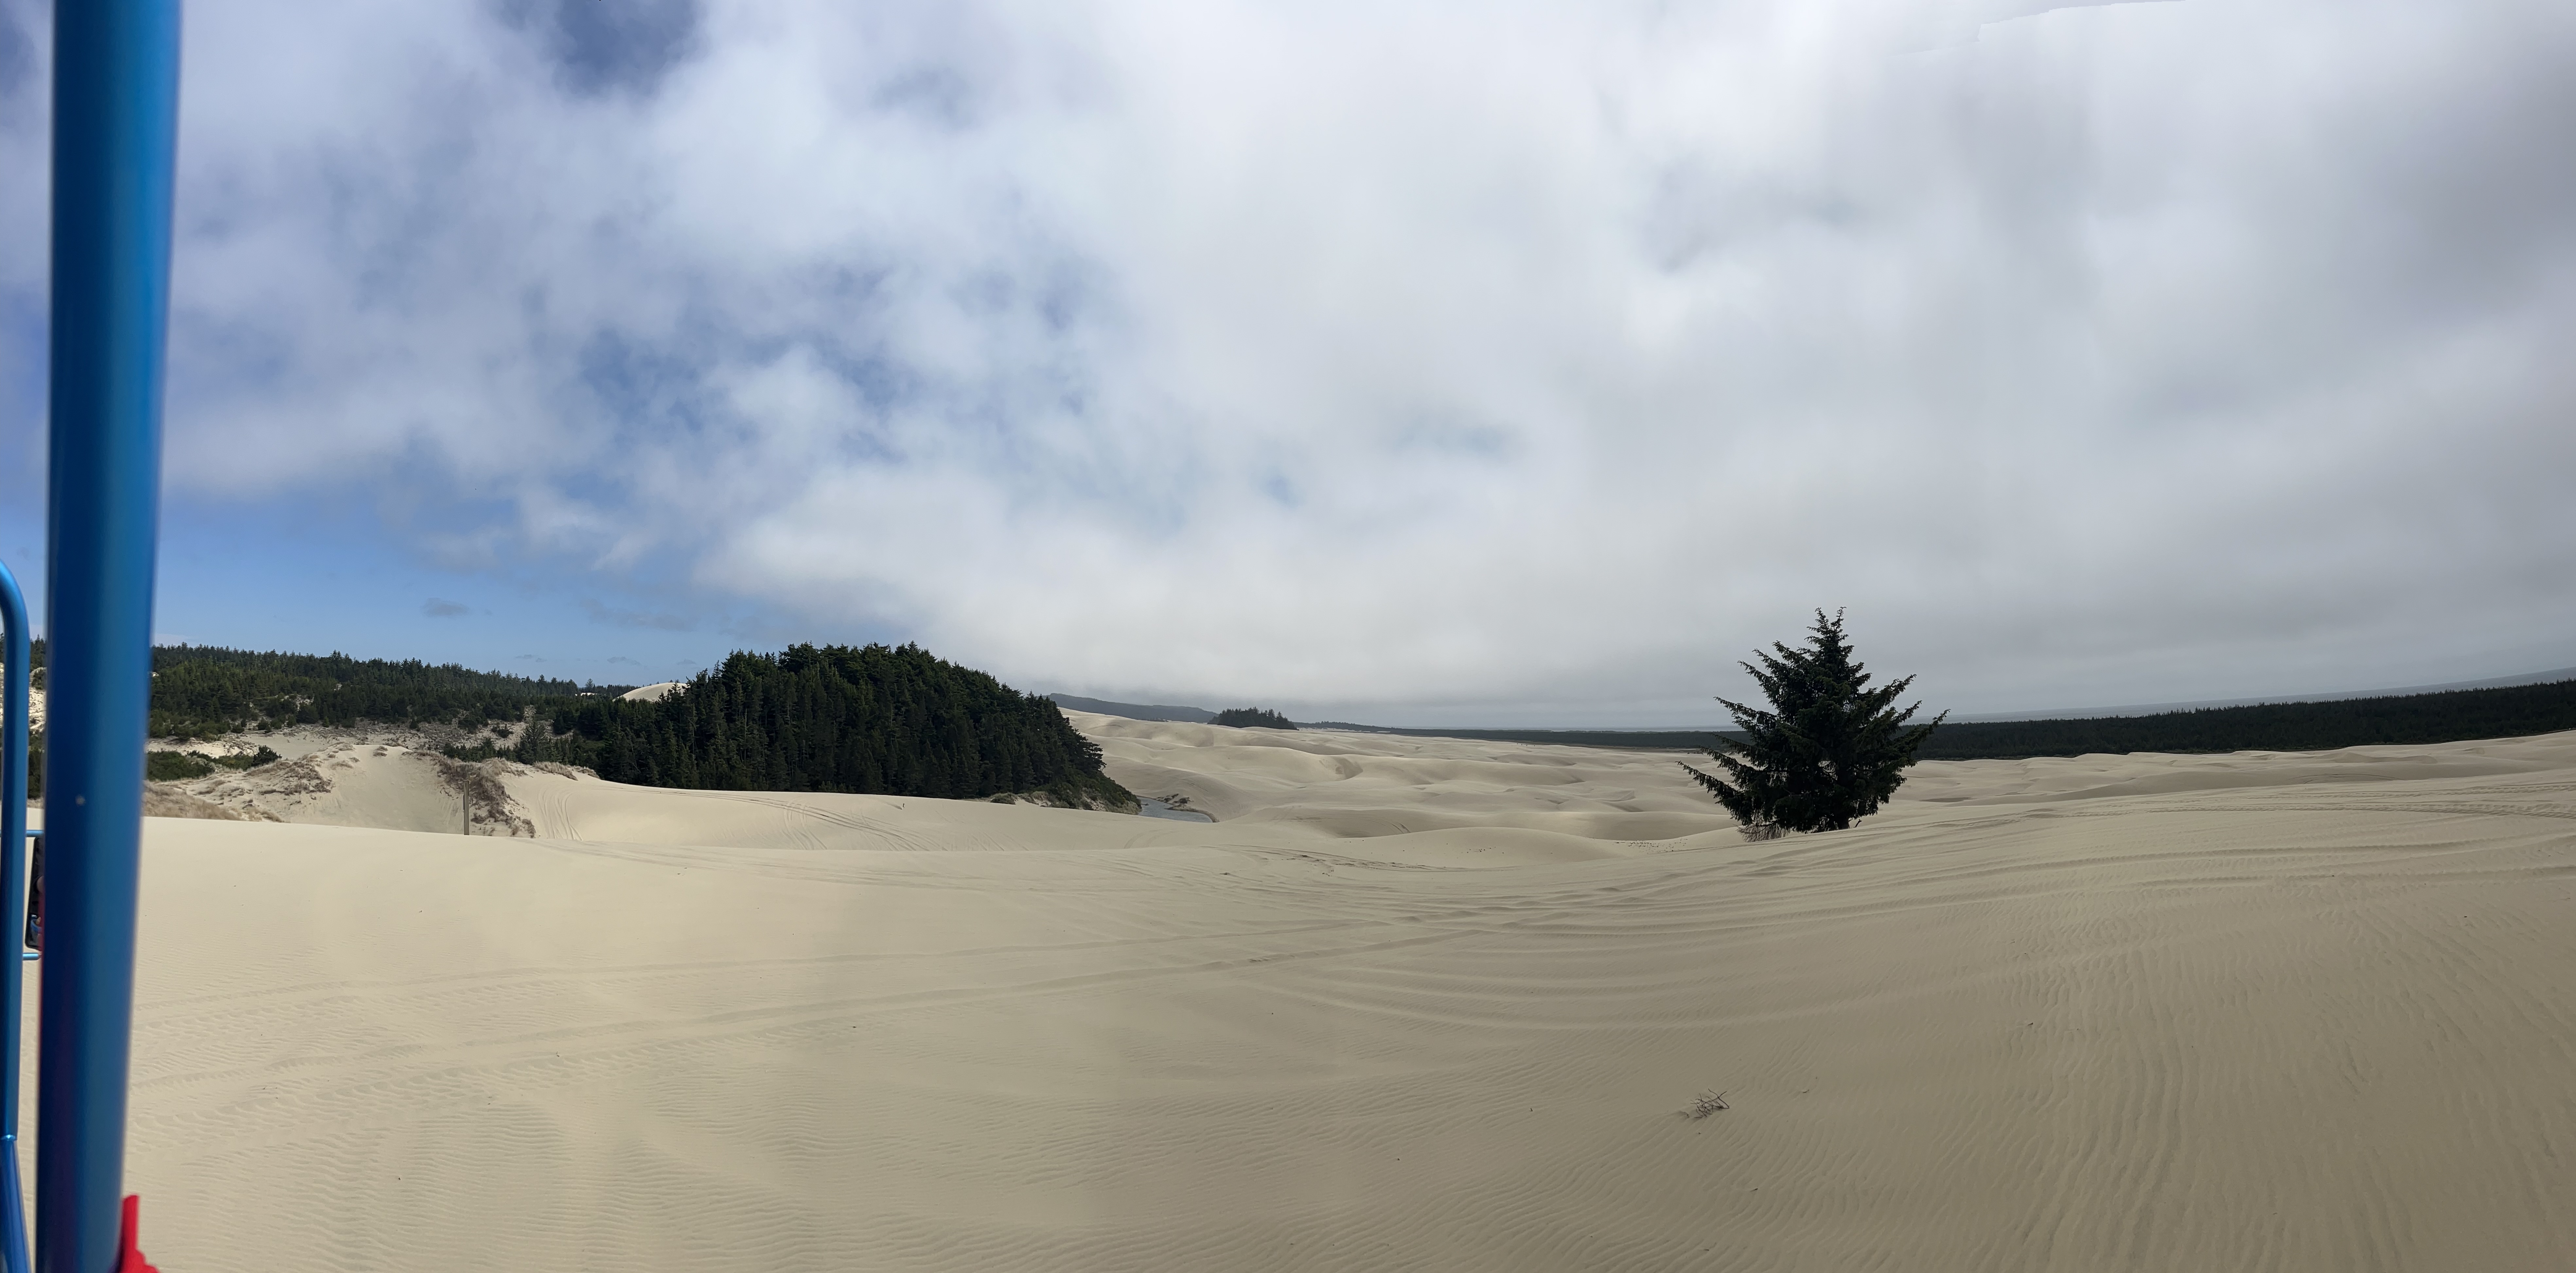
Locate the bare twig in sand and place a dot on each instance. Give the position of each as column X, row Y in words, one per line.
column 1707, row 1104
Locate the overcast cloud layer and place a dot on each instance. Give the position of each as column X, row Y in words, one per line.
column 1524, row 360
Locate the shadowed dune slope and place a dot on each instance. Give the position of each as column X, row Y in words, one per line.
column 1411, row 1004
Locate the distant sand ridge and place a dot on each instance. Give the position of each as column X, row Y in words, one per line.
column 1409, row 1004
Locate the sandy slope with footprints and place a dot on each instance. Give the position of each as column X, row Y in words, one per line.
column 1409, row 1004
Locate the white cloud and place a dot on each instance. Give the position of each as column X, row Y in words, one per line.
column 1536, row 354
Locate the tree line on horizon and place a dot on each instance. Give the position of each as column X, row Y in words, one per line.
column 2441, row 716
column 2444, row 716
column 205, row 691
column 208, row 691
column 872, row 719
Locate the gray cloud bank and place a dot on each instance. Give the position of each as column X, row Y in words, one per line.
column 1535, row 359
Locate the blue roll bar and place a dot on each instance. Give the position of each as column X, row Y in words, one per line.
column 116, row 114
column 14, row 647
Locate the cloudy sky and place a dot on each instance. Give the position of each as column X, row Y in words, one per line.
column 1516, row 362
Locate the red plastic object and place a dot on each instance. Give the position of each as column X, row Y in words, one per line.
column 129, row 1257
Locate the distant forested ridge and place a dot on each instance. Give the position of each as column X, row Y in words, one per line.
column 2513, row 711
column 2452, row 716
column 874, row 719
column 1620, row 739
column 894, row 721
column 201, row 691
column 204, row 691
column 1135, row 711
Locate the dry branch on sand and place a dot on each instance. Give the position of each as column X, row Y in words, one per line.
column 1707, row 1104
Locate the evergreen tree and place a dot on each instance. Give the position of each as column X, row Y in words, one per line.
column 1829, row 752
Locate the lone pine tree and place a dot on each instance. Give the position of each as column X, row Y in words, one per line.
column 1829, row 752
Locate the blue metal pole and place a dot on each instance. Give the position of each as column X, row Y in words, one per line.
column 15, row 648
column 116, row 113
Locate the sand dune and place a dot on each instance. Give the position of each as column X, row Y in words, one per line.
column 358, row 781
column 1411, row 1004
column 1349, row 784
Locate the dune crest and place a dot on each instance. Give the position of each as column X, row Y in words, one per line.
column 361, row 782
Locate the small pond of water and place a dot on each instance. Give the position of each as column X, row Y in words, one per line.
column 1157, row 809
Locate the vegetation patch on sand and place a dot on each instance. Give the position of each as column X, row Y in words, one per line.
column 1252, row 718
column 876, row 720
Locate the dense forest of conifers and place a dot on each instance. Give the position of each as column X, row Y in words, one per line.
column 890, row 720
column 2449, row 716
column 893, row 721
column 204, row 691
column 1252, row 718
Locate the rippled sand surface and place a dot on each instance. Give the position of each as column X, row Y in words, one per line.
column 1409, row 1004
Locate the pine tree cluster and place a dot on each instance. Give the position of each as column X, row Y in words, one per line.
column 873, row 719
column 1252, row 718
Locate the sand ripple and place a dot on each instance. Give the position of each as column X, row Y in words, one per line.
column 1409, row 1005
